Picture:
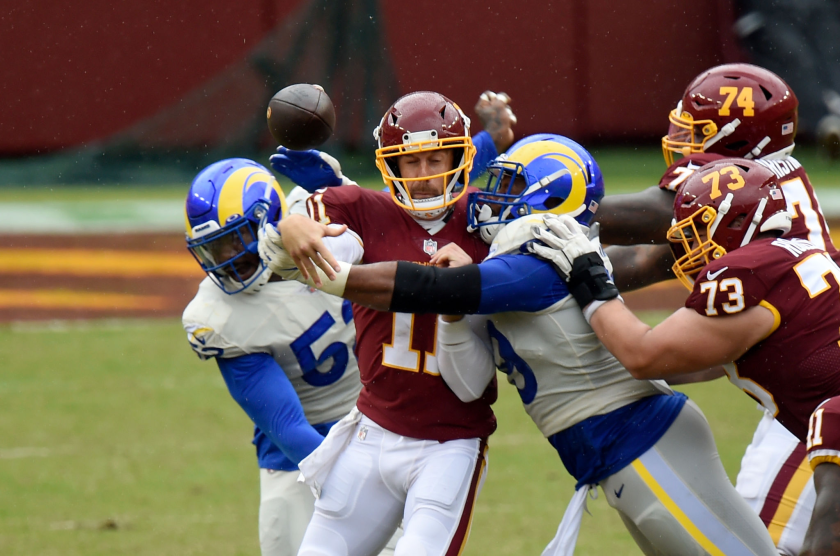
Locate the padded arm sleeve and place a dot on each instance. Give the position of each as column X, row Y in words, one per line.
column 485, row 152
column 465, row 361
column 498, row 285
column 428, row 289
column 263, row 390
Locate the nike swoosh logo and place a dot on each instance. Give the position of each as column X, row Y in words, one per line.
column 619, row 491
column 716, row 274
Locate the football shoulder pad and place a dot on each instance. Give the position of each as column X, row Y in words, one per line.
column 204, row 321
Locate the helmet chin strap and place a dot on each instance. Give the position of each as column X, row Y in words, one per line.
column 759, row 212
column 725, row 131
column 721, row 212
column 256, row 285
column 757, row 150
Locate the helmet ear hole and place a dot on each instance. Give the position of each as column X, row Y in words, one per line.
column 738, row 222
column 735, row 146
column 767, row 94
column 553, row 202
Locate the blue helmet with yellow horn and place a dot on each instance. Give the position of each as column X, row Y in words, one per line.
column 542, row 173
column 224, row 208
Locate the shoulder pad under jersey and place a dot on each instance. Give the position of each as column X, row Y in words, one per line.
column 203, row 320
column 514, row 235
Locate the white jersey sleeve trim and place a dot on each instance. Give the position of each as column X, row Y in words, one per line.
column 465, row 361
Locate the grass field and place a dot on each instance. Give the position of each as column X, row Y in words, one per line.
column 116, row 439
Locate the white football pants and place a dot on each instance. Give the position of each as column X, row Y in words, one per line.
column 777, row 482
column 286, row 507
column 381, row 478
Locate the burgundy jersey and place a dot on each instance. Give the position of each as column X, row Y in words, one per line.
column 402, row 389
column 797, row 366
column 808, row 220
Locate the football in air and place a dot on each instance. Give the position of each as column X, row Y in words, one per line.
column 301, row 116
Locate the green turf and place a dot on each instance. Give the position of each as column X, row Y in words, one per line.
column 116, row 439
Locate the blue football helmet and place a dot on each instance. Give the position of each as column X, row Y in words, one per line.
column 224, row 208
column 543, row 173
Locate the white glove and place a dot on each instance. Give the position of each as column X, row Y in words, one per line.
column 278, row 260
column 274, row 255
column 565, row 240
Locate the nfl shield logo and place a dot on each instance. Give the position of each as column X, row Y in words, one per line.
column 430, row 247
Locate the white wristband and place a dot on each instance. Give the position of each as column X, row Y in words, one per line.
column 332, row 287
column 590, row 309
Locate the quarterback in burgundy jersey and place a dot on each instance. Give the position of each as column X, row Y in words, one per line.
column 402, row 388
column 411, row 450
column 764, row 306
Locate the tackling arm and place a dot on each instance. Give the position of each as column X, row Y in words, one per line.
column 263, row 390
column 637, row 266
column 498, row 285
column 683, row 343
column 642, row 217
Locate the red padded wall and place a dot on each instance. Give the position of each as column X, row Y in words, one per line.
column 77, row 72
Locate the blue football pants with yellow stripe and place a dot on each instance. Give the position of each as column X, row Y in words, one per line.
column 675, row 499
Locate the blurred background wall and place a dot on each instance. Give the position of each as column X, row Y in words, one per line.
column 114, row 90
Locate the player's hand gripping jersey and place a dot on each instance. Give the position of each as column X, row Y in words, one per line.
column 402, row 388
column 808, row 220
column 305, row 332
column 790, row 277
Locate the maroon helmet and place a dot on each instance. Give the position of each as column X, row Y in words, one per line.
column 734, row 110
column 420, row 122
column 722, row 207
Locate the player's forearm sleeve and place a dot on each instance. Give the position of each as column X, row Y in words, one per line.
column 465, row 362
column 519, row 283
column 485, row 152
column 427, row 289
column 263, row 390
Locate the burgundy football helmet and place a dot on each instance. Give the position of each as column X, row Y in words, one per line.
column 734, row 110
column 419, row 122
column 722, row 207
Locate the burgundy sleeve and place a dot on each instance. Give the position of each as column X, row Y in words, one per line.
column 726, row 289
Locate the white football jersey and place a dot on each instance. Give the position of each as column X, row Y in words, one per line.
column 563, row 372
column 308, row 333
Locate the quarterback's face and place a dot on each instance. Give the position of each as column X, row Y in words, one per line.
column 422, row 164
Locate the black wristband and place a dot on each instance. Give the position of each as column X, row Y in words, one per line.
column 589, row 280
column 428, row 289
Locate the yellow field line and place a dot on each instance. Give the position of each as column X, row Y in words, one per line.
column 97, row 262
column 69, row 299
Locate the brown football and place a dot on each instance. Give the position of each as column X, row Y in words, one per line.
column 301, row 116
